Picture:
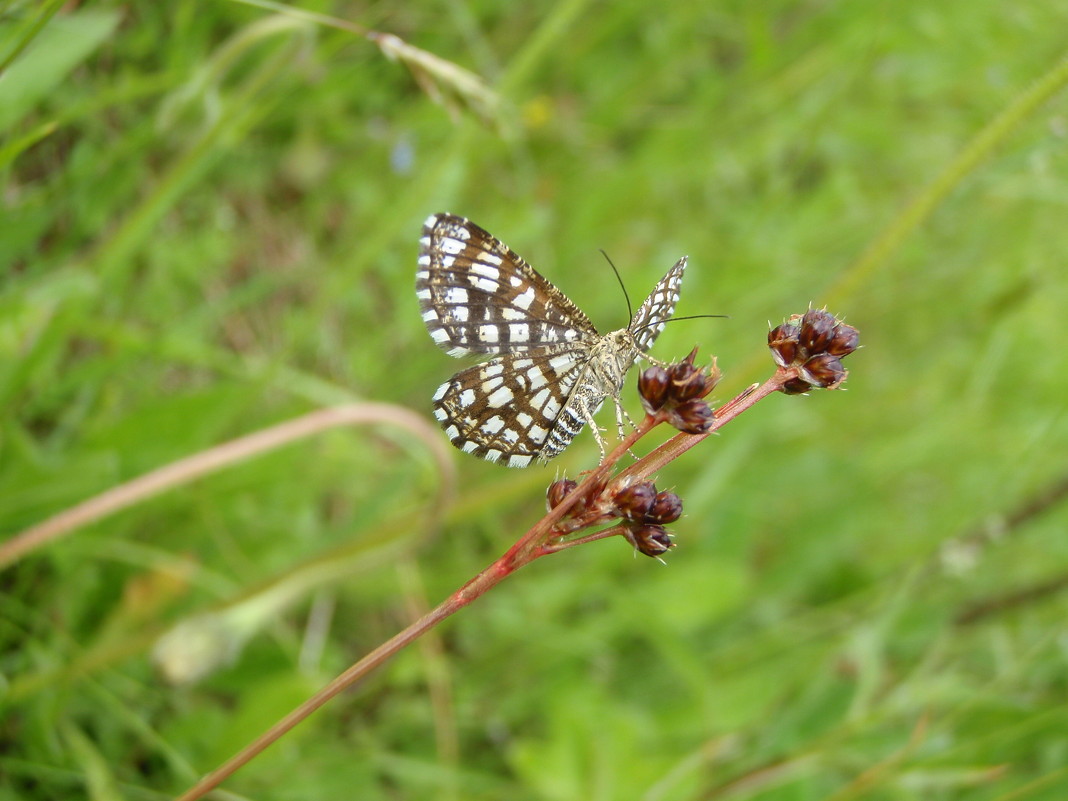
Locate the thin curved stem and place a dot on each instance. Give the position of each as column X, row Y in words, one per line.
column 208, row 461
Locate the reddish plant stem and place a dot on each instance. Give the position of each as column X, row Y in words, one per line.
column 535, row 543
column 532, row 545
column 680, row 443
column 529, row 547
column 612, row 531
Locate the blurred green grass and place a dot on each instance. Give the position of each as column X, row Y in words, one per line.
column 209, row 225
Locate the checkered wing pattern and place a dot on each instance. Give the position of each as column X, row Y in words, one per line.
column 657, row 309
column 478, row 296
column 512, row 409
column 551, row 371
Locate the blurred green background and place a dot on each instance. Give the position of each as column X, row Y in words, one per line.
column 209, row 225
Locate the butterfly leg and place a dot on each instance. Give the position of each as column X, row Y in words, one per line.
column 587, row 414
column 621, row 415
column 623, row 419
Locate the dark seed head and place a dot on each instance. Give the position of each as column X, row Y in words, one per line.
column 796, row 386
column 693, row 417
column 784, row 332
column 824, row 371
column 653, row 386
column 783, row 343
column 785, row 352
column 651, row 540
column 817, row 330
column 666, row 508
column 557, row 491
column 687, row 382
column 846, row 340
column 634, row 502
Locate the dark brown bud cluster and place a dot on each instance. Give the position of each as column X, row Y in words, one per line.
column 649, row 540
column 643, row 510
column 815, row 344
column 646, row 511
column 676, row 394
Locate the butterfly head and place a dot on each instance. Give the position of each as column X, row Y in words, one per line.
column 622, row 347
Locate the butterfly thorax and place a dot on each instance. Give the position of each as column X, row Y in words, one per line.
column 600, row 377
column 610, row 359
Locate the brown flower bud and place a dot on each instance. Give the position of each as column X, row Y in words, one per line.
column 687, row 382
column 666, row 508
column 796, row 386
column 783, row 343
column 650, row 540
column 557, row 491
column 653, row 386
column 817, row 330
column 846, row 340
column 784, row 332
column 692, row 417
column 634, row 502
column 824, row 371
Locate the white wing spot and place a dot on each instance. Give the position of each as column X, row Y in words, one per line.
column 510, row 314
column 451, row 246
column 551, row 409
column 486, row 271
column 499, row 397
column 455, row 295
column 524, row 298
column 537, row 378
column 493, row 425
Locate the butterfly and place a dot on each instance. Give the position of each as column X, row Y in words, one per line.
column 550, row 372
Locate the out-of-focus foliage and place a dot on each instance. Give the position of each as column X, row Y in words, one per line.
column 208, row 224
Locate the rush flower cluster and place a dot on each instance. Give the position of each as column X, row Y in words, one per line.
column 641, row 510
column 675, row 394
column 814, row 343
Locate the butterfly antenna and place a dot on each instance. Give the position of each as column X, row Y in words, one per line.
column 630, row 311
column 678, row 319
